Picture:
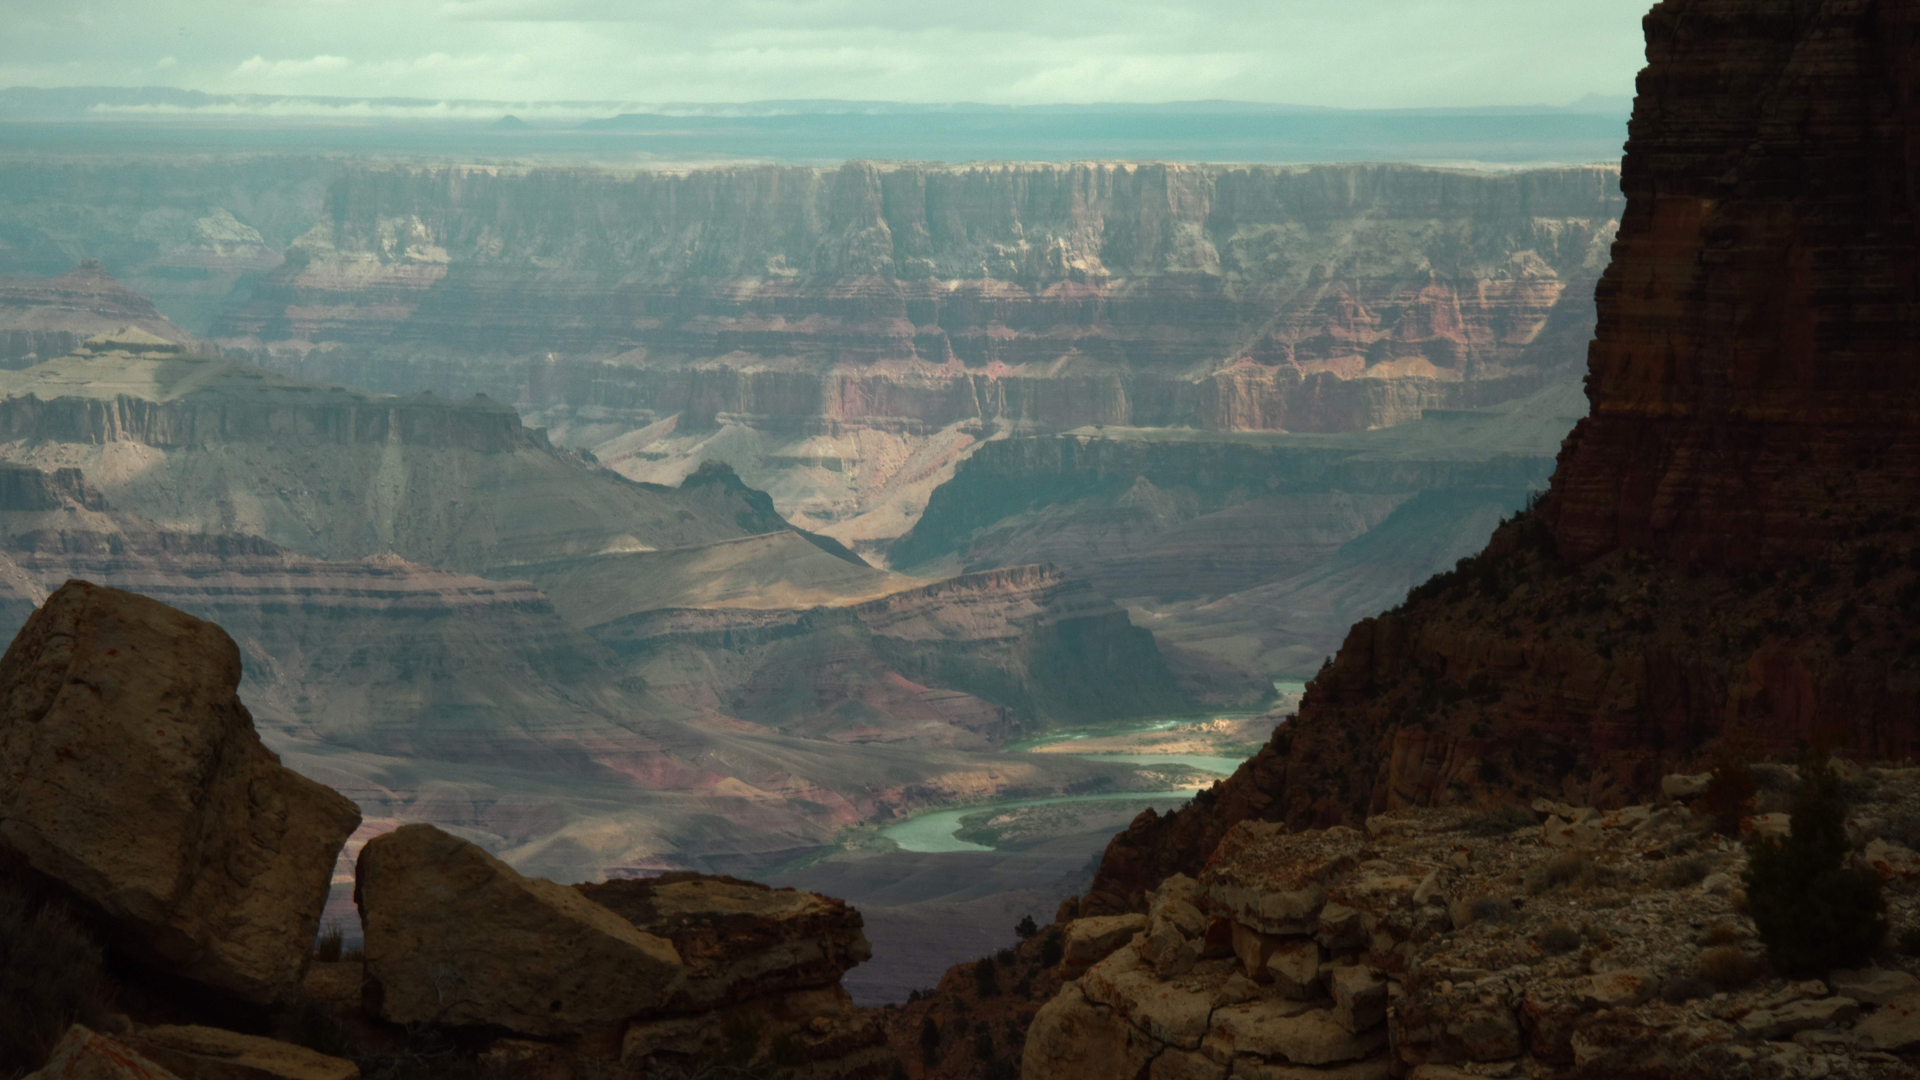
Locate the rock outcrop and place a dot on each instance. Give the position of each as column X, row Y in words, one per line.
column 1726, row 555
column 44, row 318
column 136, row 784
column 83, row 1054
column 1443, row 944
column 678, row 968
column 196, row 1052
column 456, row 937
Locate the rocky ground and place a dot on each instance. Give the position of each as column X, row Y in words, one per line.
column 1441, row 944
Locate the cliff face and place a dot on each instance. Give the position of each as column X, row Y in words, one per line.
column 817, row 286
column 1727, row 555
column 843, row 337
column 1256, row 549
column 44, row 318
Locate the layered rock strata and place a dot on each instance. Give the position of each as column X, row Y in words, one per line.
column 1436, row 943
column 1726, row 556
column 1257, row 550
column 664, row 970
column 44, row 318
column 136, row 784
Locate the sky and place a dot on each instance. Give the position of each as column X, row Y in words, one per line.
column 1340, row 53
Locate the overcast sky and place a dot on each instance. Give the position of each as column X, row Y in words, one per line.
column 1348, row 53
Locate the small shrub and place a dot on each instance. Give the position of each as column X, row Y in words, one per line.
column 1559, row 874
column 328, row 946
column 1498, row 822
column 929, row 1041
column 1729, row 792
column 1559, row 938
column 1026, row 927
column 1813, row 912
column 1721, row 934
column 1686, row 988
column 1729, row 967
column 1006, row 958
column 899, row 1071
column 1685, row 873
column 51, row 977
column 1491, row 909
column 986, row 977
column 1052, row 949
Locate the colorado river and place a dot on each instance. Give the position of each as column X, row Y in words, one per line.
column 934, row 832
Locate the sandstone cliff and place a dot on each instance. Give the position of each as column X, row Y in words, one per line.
column 1727, row 552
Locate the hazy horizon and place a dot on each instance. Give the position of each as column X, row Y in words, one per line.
column 1368, row 54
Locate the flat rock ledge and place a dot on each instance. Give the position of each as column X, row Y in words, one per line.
column 1441, row 945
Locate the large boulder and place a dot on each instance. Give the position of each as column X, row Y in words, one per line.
column 84, row 1054
column 192, row 1052
column 133, row 779
column 454, row 936
column 739, row 939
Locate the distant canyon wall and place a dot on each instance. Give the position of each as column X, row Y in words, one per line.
column 1055, row 295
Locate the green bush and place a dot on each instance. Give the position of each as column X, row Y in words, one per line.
column 1814, row 913
column 929, row 1041
column 50, row 978
column 329, row 945
column 986, row 977
column 1026, row 927
column 1052, row 948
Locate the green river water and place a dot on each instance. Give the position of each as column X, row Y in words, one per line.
column 933, row 832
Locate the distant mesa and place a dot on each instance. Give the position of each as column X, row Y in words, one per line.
column 511, row 122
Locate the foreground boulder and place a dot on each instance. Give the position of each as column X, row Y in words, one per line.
column 192, row 1052
column 133, row 779
column 454, row 936
column 84, row 1054
column 739, row 939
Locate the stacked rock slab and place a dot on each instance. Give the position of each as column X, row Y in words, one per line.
column 675, row 967
column 136, row 785
column 1434, row 947
column 1729, row 544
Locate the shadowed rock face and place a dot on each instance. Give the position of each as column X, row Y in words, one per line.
column 1728, row 549
column 42, row 318
column 137, row 784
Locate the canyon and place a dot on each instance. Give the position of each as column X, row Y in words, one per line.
column 843, row 337
column 448, row 619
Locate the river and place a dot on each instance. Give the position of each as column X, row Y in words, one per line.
column 934, row 832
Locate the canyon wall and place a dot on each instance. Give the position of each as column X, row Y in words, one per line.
column 1255, row 549
column 843, row 337
column 1727, row 561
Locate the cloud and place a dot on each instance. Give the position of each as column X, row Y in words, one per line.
column 258, row 65
column 1357, row 53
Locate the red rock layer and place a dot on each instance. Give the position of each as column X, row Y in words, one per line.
column 1728, row 555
